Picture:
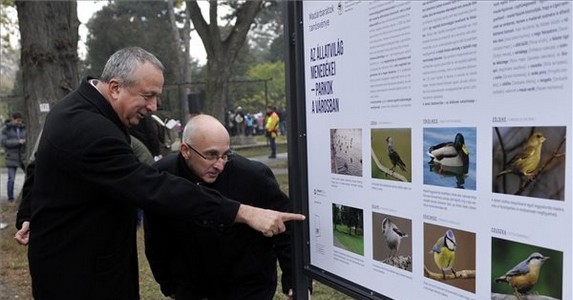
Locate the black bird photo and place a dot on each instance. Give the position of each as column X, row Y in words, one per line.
column 394, row 156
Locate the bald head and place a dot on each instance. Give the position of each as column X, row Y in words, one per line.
column 205, row 147
column 205, row 129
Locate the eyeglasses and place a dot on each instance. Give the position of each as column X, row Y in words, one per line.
column 212, row 156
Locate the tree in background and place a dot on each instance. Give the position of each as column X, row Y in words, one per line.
column 222, row 49
column 132, row 23
column 260, row 94
column 258, row 72
column 182, row 38
column 49, row 56
column 10, row 56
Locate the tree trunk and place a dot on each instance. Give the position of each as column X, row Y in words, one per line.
column 183, row 58
column 49, row 57
column 218, row 75
column 221, row 52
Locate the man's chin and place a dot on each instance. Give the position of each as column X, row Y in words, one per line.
column 134, row 122
column 209, row 179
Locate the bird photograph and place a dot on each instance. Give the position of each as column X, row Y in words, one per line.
column 444, row 251
column 450, row 256
column 524, row 275
column 392, row 236
column 450, row 155
column 391, row 153
column 394, row 156
column 346, row 151
column 526, row 161
column 529, row 161
column 392, row 240
column 524, row 270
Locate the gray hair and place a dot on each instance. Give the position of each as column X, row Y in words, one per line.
column 123, row 63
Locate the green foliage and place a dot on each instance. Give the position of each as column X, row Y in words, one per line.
column 253, row 97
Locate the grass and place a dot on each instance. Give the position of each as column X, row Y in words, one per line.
column 353, row 243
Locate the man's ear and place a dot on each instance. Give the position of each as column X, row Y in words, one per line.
column 184, row 151
column 113, row 89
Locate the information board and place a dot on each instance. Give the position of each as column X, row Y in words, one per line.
column 437, row 138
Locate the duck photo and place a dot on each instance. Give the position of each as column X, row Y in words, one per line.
column 452, row 157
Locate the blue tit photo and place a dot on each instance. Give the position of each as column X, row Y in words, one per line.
column 444, row 251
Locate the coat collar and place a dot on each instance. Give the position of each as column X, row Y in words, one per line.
column 184, row 170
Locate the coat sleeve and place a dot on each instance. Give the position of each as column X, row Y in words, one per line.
column 108, row 162
column 9, row 141
column 159, row 241
column 24, row 210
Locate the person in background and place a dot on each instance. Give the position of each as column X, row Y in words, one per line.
column 147, row 132
column 283, row 121
column 87, row 185
column 14, row 143
column 249, row 122
column 272, row 128
column 240, row 121
column 192, row 261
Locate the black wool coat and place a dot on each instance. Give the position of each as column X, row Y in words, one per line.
column 192, row 261
column 86, row 187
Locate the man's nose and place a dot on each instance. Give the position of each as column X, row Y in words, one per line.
column 152, row 104
column 219, row 164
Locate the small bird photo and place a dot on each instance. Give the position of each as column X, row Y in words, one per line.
column 346, row 151
column 529, row 161
column 450, row 157
column 522, row 270
column 450, row 256
column 391, row 153
column 348, row 227
column 392, row 240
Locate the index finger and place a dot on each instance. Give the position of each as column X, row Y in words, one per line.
column 292, row 217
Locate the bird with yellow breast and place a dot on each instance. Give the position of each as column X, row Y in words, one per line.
column 444, row 251
column 526, row 161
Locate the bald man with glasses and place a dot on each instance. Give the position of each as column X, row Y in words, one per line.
column 192, row 260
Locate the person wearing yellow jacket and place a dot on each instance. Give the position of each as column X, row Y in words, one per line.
column 272, row 129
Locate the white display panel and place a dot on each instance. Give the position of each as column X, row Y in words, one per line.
column 390, row 83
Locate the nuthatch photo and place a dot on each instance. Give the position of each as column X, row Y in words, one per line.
column 392, row 235
column 445, row 252
column 524, row 275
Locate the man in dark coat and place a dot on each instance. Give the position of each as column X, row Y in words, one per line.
column 87, row 184
column 192, row 261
